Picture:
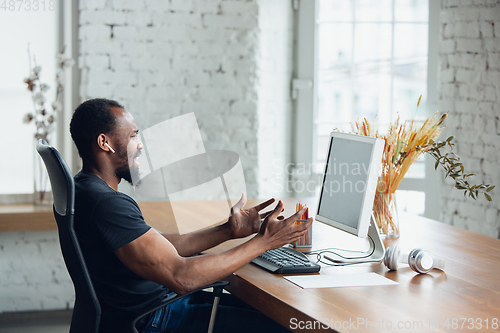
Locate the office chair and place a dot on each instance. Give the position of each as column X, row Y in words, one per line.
column 87, row 310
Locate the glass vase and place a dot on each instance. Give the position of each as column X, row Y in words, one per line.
column 42, row 196
column 386, row 214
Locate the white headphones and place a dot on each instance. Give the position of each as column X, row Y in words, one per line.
column 420, row 260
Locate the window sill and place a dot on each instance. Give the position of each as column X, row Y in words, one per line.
column 26, row 217
column 156, row 213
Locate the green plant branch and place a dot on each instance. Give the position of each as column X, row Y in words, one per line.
column 442, row 152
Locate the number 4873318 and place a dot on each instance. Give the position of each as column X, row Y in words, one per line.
column 27, row 5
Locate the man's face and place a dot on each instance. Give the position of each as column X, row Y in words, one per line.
column 128, row 147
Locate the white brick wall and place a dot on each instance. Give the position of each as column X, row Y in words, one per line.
column 32, row 272
column 225, row 59
column 470, row 91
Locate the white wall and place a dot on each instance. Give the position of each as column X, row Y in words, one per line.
column 470, row 91
column 274, row 75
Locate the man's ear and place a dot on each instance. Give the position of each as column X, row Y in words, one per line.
column 102, row 142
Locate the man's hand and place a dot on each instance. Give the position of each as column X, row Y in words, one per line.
column 245, row 222
column 276, row 231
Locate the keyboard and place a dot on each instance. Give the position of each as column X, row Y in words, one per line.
column 285, row 260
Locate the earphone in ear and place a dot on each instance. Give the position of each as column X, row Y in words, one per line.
column 106, row 144
column 420, row 260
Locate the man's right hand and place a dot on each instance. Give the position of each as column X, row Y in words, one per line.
column 275, row 232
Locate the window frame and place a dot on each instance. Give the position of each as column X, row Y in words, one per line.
column 305, row 106
column 67, row 36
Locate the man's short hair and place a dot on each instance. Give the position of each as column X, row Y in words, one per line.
column 90, row 119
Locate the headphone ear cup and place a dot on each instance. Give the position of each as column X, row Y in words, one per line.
column 421, row 261
column 391, row 257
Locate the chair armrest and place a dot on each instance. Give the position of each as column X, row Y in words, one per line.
column 218, row 286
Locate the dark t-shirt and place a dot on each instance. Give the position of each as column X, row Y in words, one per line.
column 106, row 220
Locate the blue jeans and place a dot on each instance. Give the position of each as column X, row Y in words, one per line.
column 192, row 314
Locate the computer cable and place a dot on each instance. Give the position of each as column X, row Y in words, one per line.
column 321, row 253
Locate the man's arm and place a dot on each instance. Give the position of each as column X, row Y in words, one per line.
column 155, row 258
column 196, row 242
column 241, row 223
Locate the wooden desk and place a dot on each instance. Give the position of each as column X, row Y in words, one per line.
column 469, row 288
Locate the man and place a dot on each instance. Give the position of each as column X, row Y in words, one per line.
column 131, row 264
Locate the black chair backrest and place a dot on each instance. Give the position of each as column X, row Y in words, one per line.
column 87, row 311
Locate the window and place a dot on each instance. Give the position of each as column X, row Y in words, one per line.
column 370, row 59
column 20, row 28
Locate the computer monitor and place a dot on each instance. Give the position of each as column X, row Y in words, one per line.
column 348, row 188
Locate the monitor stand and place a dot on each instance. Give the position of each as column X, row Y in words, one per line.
column 377, row 247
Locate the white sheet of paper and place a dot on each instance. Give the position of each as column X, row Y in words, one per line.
column 340, row 280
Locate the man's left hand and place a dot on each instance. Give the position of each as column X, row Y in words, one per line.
column 245, row 222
